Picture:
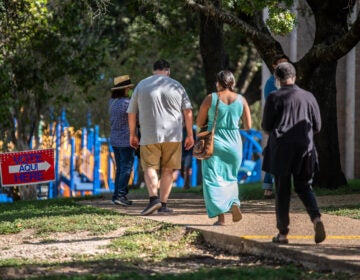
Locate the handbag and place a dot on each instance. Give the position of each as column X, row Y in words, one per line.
column 204, row 143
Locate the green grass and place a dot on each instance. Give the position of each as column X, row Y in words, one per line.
column 153, row 242
column 254, row 190
column 145, row 243
column 251, row 191
column 352, row 211
column 58, row 215
column 282, row 273
column 352, row 187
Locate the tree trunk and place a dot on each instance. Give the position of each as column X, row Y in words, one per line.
column 253, row 92
column 316, row 70
column 211, row 48
column 321, row 81
column 331, row 24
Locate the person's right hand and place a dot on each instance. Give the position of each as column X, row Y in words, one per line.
column 189, row 142
column 134, row 142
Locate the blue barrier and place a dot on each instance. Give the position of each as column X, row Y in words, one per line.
column 4, row 198
column 250, row 170
column 79, row 182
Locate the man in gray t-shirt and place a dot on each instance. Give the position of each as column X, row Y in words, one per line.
column 161, row 105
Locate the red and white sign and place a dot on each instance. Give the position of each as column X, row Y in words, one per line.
column 27, row 167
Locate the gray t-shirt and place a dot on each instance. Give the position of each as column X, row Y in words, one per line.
column 159, row 102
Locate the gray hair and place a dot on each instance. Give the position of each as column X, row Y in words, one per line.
column 284, row 71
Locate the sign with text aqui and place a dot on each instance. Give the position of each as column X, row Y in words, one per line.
column 27, row 167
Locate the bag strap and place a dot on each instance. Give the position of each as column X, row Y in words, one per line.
column 216, row 114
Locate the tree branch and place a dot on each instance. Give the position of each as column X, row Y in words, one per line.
column 228, row 18
column 265, row 44
column 342, row 46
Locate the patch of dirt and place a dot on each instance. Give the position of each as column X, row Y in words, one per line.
column 58, row 246
column 60, row 253
column 63, row 248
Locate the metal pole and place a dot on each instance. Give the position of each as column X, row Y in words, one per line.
column 96, row 161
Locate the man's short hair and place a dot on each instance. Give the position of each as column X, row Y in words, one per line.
column 279, row 57
column 284, row 71
column 161, row 64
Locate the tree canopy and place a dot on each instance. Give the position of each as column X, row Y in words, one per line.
column 335, row 36
column 64, row 54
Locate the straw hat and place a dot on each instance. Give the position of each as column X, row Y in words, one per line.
column 122, row 82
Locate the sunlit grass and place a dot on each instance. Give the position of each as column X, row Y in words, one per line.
column 144, row 242
column 58, row 215
column 154, row 242
column 352, row 211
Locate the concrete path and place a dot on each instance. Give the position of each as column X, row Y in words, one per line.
column 253, row 234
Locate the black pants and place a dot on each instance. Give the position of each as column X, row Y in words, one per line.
column 302, row 185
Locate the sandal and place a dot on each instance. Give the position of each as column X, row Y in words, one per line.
column 320, row 234
column 217, row 223
column 278, row 240
column 236, row 213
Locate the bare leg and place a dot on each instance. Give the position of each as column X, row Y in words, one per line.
column 221, row 219
column 165, row 184
column 152, row 181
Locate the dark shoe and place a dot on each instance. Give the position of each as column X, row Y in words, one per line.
column 236, row 213
column 276, row 239
column 165, row 210
column 152, row 207
column 217, row 223
column 320, row 234
column 122, row 200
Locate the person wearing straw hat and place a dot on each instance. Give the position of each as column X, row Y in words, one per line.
column 119, row 138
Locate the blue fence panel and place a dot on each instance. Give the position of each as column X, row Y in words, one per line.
column 250, row 170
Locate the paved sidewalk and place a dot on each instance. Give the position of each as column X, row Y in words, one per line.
column 253, row 234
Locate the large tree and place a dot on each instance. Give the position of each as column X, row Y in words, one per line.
column 43, row 43
column 334, row 38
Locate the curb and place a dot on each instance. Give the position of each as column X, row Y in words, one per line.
column 239, row 245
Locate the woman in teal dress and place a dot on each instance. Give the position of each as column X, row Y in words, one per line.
column 220, row 184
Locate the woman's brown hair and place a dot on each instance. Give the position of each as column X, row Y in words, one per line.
column 226, row 79
column 119, row 93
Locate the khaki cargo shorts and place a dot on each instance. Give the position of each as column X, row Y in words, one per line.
column 164, row 155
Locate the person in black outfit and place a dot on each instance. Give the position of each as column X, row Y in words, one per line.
column 291, row 118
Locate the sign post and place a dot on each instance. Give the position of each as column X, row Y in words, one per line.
column 27, row 167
